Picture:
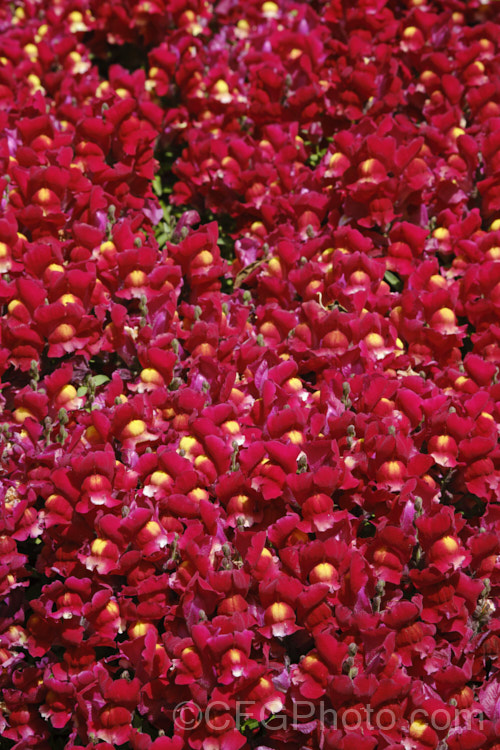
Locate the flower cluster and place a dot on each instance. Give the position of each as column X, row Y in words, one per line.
column 249, row 358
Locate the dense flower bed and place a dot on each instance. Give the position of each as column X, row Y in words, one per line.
column 250, row 351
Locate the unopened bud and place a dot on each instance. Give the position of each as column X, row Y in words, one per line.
column 302, row 463
column 347, row 665
column 34, row 373
column 63, row 416
column 175, row 384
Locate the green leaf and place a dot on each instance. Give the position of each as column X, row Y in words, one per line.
column 157, row 186
column 100, row 379
column 394, row 280
column 82, row 391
